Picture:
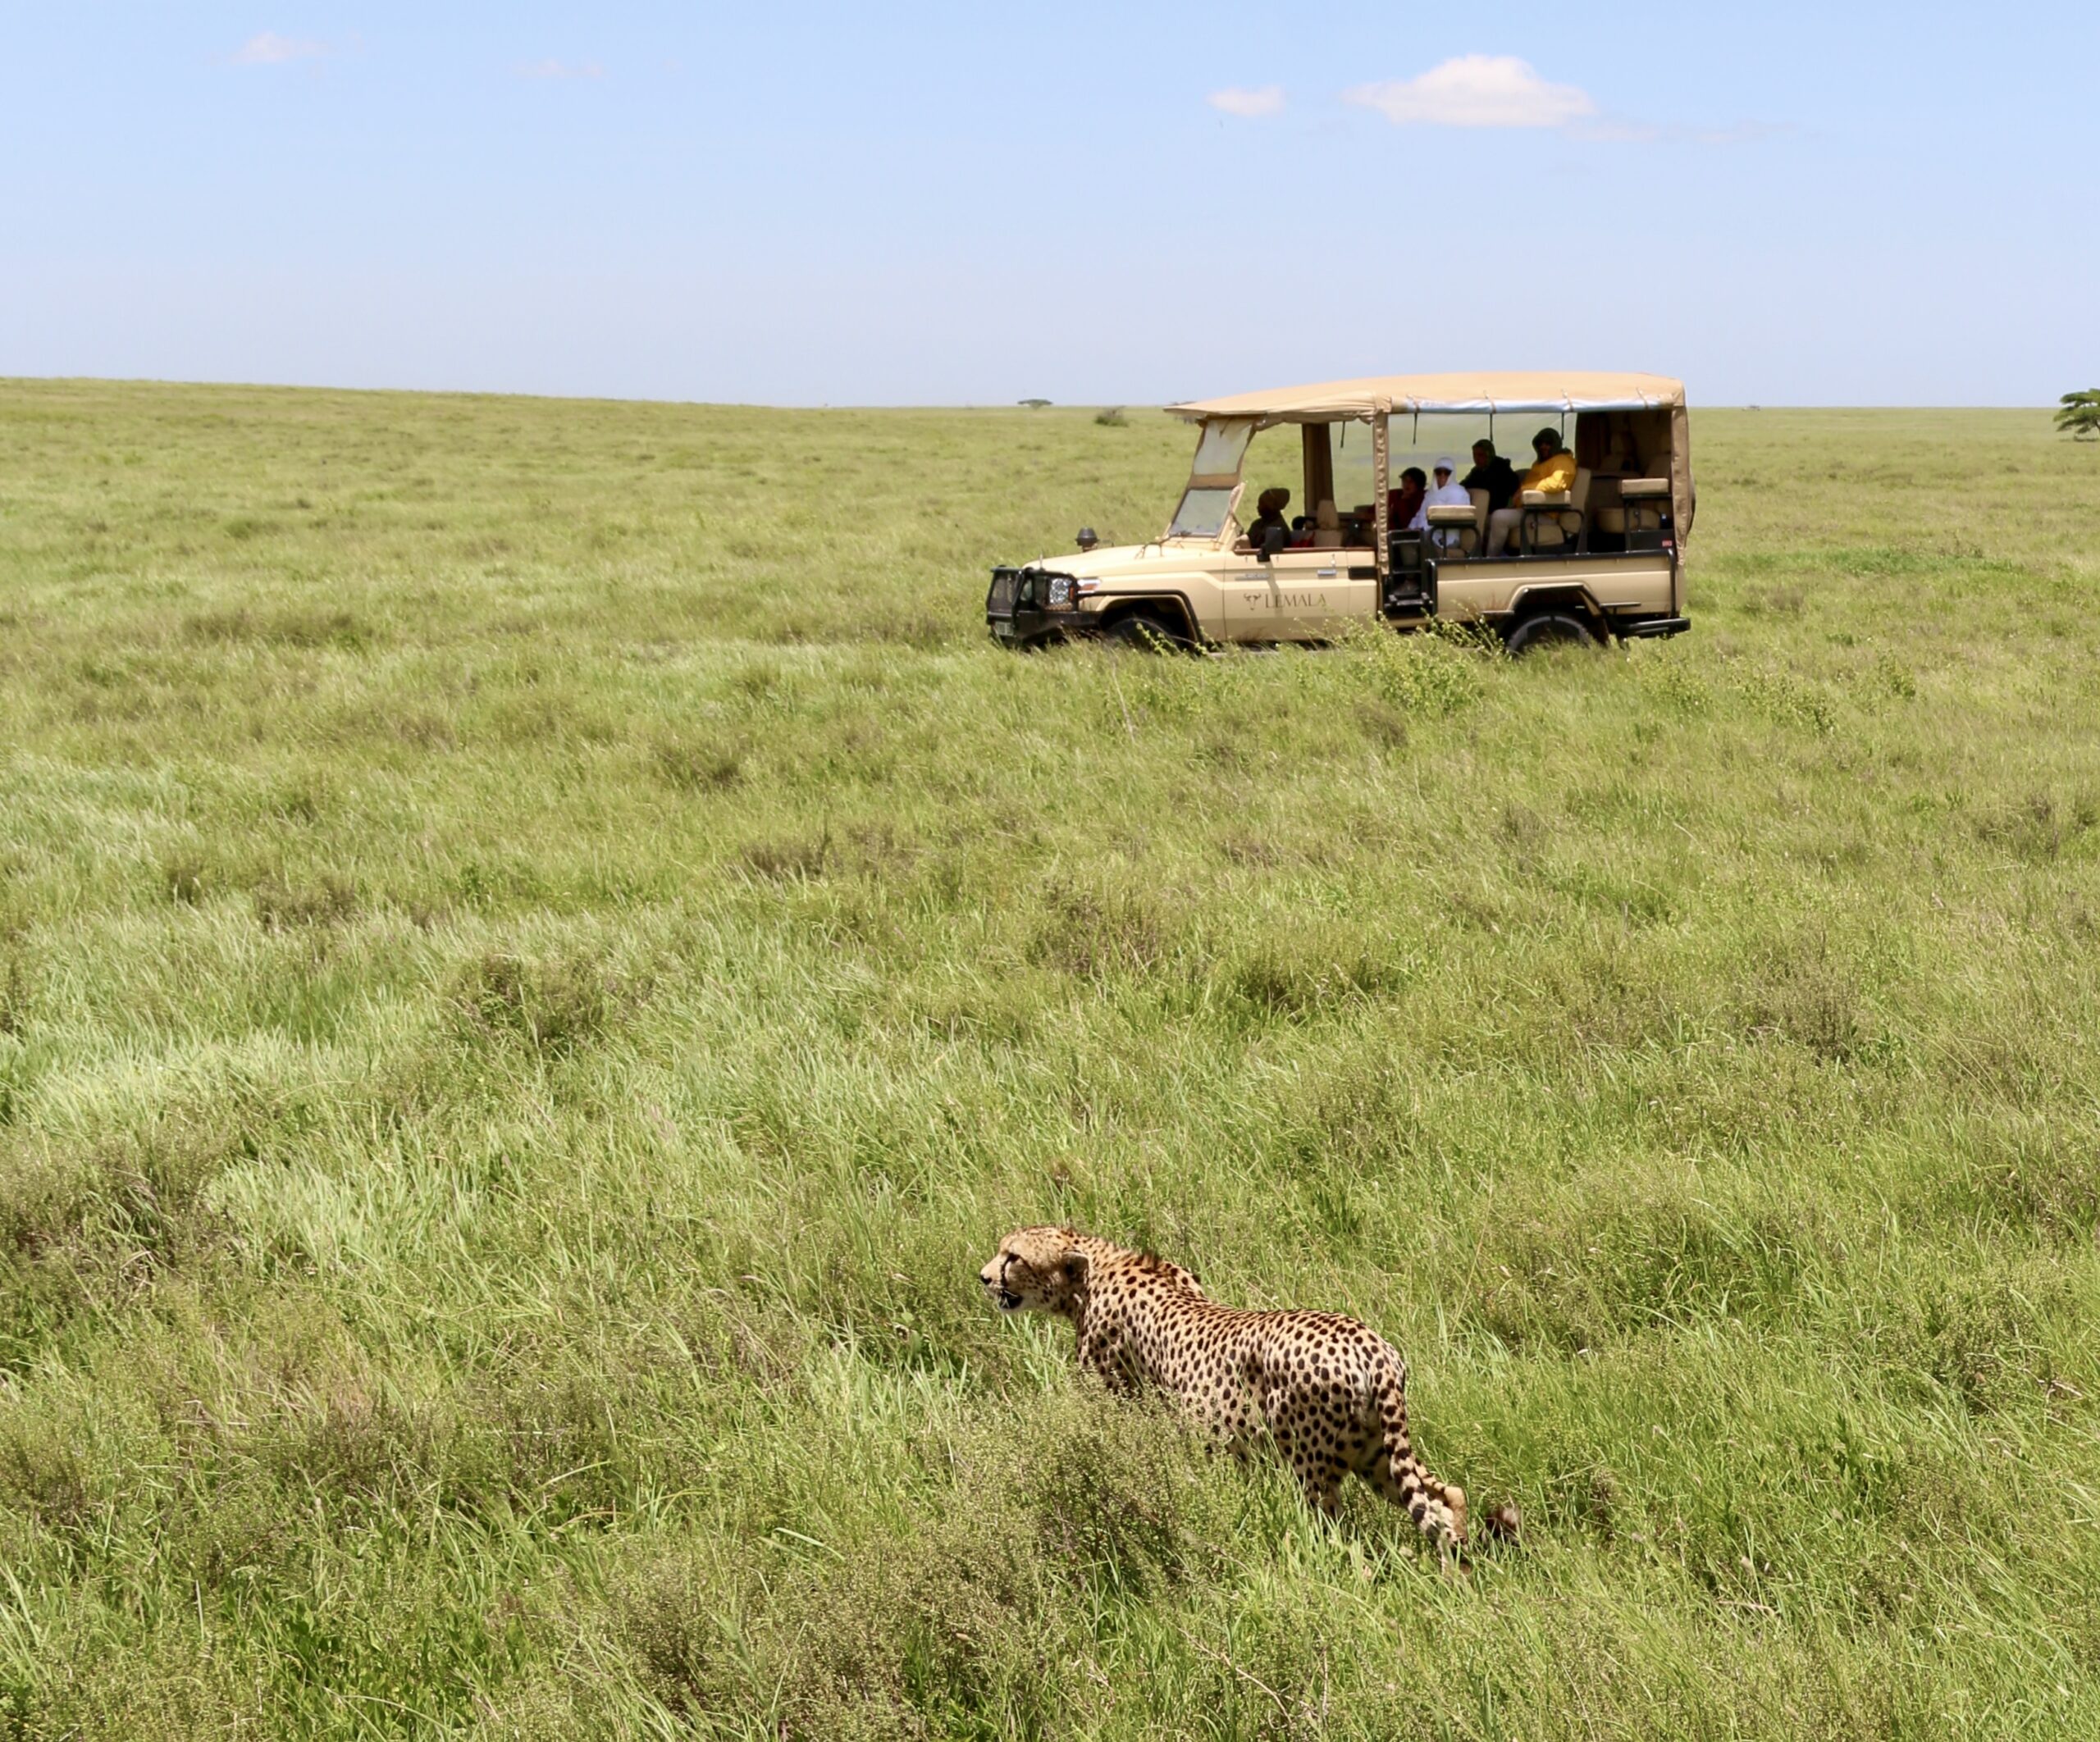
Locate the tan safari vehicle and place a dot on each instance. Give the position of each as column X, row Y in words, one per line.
column 1600, row 560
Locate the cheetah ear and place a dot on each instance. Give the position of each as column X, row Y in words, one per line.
column 1075, row 1264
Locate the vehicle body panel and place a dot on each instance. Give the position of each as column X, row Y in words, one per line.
column 1298, row 595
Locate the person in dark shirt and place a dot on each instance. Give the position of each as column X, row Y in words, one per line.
column 1493, row 474
column 1272, row 503
column 1403, row 504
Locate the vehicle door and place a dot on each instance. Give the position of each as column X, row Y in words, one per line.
column 1301, row 595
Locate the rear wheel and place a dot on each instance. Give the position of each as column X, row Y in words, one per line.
column 1549, row 630
column 1149, row 634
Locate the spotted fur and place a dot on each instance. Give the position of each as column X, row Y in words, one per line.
column 1329, row 1391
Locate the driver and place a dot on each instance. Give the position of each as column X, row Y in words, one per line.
column 1271, row 505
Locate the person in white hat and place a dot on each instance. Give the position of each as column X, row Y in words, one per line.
column 1446, row 492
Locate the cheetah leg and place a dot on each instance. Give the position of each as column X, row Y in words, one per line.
column 1108, row 1357
column 1232, row 1433
column 1319, row 1473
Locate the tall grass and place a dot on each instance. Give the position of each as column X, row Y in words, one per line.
column 539, row 949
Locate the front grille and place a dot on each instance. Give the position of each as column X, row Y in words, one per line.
column 999, row 602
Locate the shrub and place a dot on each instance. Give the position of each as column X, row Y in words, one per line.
column 182, row 875
column 699, row 765
column 555, row 1005
column 278, row 904
column 1429, row 675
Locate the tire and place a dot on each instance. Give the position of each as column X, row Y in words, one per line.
column 1144, row 633
column 1548, row 630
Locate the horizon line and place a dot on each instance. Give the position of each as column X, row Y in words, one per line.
column 865, row 405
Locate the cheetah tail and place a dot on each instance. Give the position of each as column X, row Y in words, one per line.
column 1438, row 1509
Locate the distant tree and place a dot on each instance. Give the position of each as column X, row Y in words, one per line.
column 1034, row 404
column 1110, row 419
column 2080, row 416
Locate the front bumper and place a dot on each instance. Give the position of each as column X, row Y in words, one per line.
column 1017, row 607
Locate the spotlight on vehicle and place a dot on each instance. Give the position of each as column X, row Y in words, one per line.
column 1087, row 539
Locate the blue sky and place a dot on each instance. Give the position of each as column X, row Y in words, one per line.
column 1784, row 203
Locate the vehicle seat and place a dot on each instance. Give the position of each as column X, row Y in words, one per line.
column 1327, row 526
column 1607, row 510
column 1609, row 497
column 1609, row 513
column 1466, row 525
column 1647, row 501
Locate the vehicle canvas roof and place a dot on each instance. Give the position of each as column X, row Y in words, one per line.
column 1509, row 390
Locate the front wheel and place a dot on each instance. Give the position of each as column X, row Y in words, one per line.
column 1549, row 630
column 1146, row 633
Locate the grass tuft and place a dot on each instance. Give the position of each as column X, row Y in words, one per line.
column 554, row 1005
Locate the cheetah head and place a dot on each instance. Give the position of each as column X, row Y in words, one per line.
column 1035, row 1269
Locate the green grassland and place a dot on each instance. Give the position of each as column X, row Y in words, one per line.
column 541, row 947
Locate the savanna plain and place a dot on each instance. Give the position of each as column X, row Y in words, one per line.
column 541, row 947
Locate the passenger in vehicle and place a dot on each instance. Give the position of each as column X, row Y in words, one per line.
column 1446, row 492
column 1493, row 474
column 1404, row 506
column 1555, row 471
column 1268, row 518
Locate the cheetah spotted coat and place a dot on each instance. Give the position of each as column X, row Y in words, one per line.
column 1330, row 1391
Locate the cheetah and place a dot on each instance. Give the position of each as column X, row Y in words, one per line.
column 1330, row 1391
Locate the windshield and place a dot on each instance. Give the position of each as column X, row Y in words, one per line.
column 1202, row 513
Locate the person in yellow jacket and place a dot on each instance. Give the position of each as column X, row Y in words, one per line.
column 1555, row 471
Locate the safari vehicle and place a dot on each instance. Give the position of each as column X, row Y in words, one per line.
column 1599, row 560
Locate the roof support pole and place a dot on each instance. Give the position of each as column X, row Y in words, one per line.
column 1319, row 443
column 1381, row 506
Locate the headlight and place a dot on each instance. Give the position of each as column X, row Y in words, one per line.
column 1060, row 596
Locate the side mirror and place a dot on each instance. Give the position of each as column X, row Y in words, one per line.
column 1276, row 538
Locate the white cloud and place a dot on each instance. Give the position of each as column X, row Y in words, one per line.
column 1247, row 104
column 551, row 69
column 270, row 49
column 1476, row 90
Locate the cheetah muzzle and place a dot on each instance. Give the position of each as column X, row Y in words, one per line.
column 1330, row 1391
